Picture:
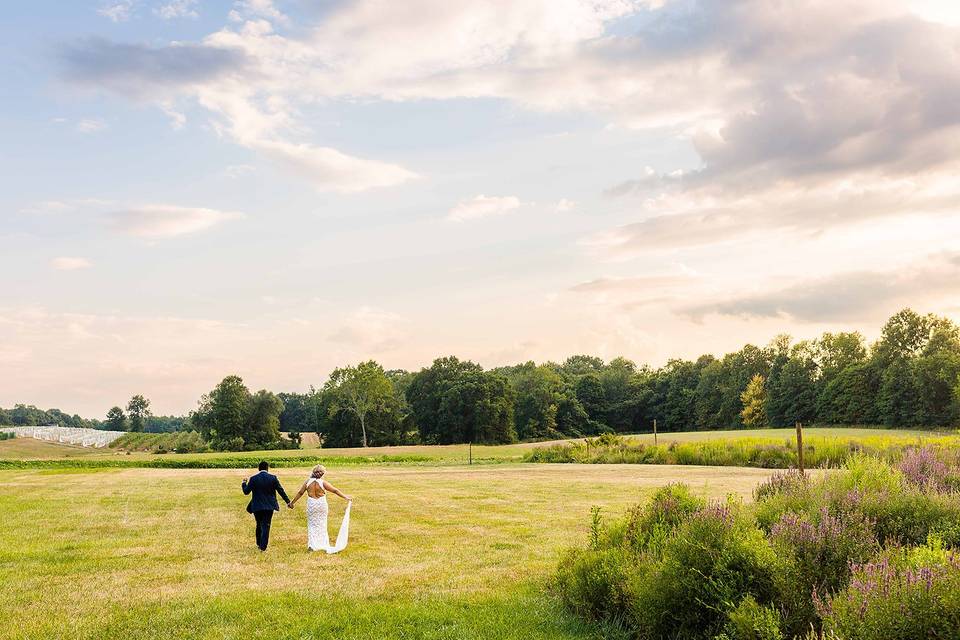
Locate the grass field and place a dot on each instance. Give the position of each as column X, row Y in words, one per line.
column 435, row 552
column 26, row 449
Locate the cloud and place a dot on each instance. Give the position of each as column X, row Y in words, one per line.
column 46, row 207
column 141, row 71
column 166, row 221
column 330, row 170
column 117, row 11
column 91, row 125
column 846, row 296
column 563, row 205
column 631, row 285
column 373, row 329
column 65, row 263
column 482, row 206
column 244, row 9
column 683, row 219
column 177, row 9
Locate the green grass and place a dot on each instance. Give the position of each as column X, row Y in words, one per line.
column 824, row 448
column 22, row 449
column 435, row 552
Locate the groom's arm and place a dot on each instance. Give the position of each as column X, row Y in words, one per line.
column 247, row 487
column 283, row 494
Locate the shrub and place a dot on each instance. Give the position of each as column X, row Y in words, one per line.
column 751, row 621
column 818, row 555
column 714, row 559
column 891, row 600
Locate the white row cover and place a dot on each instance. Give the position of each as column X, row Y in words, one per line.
column 67, row 435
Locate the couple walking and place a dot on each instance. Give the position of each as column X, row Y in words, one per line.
column 265, row 486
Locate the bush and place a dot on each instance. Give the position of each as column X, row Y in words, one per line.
column 714, row 560
column 891, row 600
column 751, row 621
column 817, row 555
column 866, row 552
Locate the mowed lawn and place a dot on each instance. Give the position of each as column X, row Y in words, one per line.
column 435, row 552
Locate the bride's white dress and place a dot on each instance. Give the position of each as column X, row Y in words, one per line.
column 317, row 511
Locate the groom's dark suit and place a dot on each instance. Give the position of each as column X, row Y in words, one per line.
column 264, row 487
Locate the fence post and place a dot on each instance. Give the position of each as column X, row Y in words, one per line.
column 587, row 440
column 470, row 451
column 654, row 432
column 800, row 447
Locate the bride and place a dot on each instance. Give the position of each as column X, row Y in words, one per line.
column 316, row 489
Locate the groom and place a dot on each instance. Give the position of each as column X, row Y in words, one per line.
column 264, row 487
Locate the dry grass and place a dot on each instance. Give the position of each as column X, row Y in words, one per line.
column 110, row 554
column 28, row 448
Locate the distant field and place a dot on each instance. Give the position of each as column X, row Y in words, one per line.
column 30, row 448
column 447, row 552
column 23, row 448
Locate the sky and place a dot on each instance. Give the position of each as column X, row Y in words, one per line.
column 198, row 188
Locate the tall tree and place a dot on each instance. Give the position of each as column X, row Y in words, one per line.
column 262, row 425
column 360, row 390
column 222, row 414
column 139, row 410
column 457, row 401
column 116, row 420
column 754, row 399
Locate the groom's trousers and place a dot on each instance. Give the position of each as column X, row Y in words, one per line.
column 263, row 528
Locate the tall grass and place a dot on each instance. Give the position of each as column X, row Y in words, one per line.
column 207, row 462
column 767, row 453
column 174, row 442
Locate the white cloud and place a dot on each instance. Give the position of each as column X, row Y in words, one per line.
column 166, row 221
column 48, row 207
column 482, row 206
column 564, row 205
column 117, row 11
column 177, row 9
column 371, row 329
column 177, row 118
column 330, row 170
column 235, row 171
column 91, row 125
column 65, row 263
column 244, row 9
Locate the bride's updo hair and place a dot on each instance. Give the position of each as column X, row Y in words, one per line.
column 318, row 471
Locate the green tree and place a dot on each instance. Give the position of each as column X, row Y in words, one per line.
column 898, row 394
column 222, row 414
column 455, row 401
column 116, row 420
column 754, row 398
column 792, row 387
column 139, row 410
column 359, row 390
column 262, row 424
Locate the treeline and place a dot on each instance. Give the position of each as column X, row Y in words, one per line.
column 27, row 415
column 908, row 377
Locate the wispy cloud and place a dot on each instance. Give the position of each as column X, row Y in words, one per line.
column 65, row 263
column 845, row 296
column 482, row 206
column 91, row 125
column 177, row 9
column 166, row 221
column 118, row 11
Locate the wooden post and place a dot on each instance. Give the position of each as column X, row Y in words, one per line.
column 654, row 432
column 800, row 447
column 470, row 451
column 587, row 440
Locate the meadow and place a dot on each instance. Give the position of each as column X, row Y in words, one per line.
column 439, row 548
column 436, row 551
